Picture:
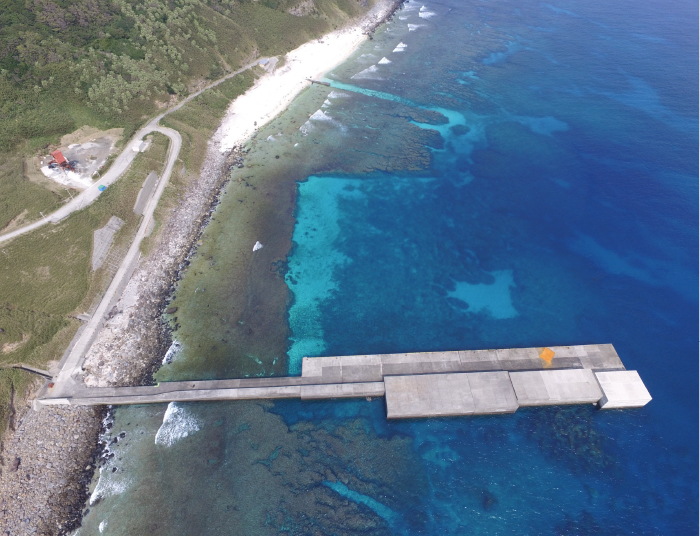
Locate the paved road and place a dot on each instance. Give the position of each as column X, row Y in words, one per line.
column 65, row 382
column 74, row 360
column 121, row 164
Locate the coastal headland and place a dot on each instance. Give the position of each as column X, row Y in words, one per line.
column 135, row 329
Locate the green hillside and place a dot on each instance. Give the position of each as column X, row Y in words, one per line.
column 113, row 63
column 65, row 62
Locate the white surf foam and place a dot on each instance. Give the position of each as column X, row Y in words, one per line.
column 368, row 73
column 109, row 484
column 172, row 352
column 306, row 128
column 384, row 61
column 320, row 115
column 178, row 423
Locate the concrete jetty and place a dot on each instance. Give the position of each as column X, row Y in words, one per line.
column 319, row 82
column 429, row 384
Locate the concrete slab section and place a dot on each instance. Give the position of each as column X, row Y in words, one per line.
column 601, row 357
column 553, row 387
column 492, row 392
column 421, row 363
column 428, row 395
column 342, row 390
column 536, row 359
column 322, row 369
column 102, row 241
column 332, row 371
column 145, row 193
column 569, row 351
column 254, row 393
column 479, row 360
column 622, row 389
column 312, row 367
column 361, row 368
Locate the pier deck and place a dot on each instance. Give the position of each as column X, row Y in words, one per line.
column 430, row 384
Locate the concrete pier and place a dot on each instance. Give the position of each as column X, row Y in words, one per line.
column 359, row 368
column 429, row 384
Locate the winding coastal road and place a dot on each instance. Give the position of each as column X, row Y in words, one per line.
column 122, row 162
column 64, row 379
column 65, row 382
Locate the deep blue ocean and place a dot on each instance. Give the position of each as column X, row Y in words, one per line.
column 559, row 207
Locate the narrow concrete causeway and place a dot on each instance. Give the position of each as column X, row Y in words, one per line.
column 430, row 384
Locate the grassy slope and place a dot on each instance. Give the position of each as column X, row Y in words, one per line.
column 196, row 122
column 45, row 276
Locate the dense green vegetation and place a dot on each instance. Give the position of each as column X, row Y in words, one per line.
column 65, row 63
column 115, row 63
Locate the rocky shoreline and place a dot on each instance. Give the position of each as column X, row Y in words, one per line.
column 131, row 345
column 376, row 22
column 46, row 467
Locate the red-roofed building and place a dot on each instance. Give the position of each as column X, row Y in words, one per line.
column 59, row 158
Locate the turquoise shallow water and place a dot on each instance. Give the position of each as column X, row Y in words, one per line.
column 560, row 208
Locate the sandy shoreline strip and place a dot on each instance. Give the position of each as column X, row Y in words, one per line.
column 274, row 92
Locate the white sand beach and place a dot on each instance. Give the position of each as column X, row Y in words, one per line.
column 275, row 91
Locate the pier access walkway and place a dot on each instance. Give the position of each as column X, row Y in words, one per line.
column 430, row 384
